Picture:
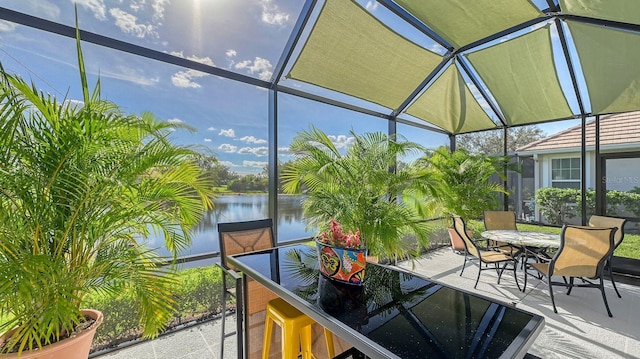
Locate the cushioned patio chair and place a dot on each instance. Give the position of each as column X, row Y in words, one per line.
column 582, row 254
column 236, row 238
column 473, row 253
column 495, row 220
column 602, row 221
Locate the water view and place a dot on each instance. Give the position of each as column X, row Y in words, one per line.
column 233, row 208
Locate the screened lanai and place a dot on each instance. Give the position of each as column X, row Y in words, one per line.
column 431, row 71
column 442, row 68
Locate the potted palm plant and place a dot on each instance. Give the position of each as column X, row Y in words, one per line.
column 463, row 184
column 361, row 189
column 81, row 184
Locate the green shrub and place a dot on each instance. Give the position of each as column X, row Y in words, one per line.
column 197, row 294
column 559, row 204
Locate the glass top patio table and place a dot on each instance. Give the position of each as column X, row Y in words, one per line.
column 524, row 238
column 396, row 313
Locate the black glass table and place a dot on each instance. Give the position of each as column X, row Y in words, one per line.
column 396, row 313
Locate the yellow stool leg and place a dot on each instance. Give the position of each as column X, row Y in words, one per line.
column 328, row 336
column 305, row 341
column 266, row 341
column 290, row 340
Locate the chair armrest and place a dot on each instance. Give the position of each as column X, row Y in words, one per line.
column 483, row 243
column 230, row 272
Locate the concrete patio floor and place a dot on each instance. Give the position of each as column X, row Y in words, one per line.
column 581, row 329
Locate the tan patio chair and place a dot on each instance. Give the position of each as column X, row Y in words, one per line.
column 583, row 252
column 495, row 220
column 236, row 238
column 472, row 252
column 602, row 221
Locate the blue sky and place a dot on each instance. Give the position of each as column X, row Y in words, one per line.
column 230, row 118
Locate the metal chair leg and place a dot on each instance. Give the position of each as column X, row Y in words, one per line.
column 553, row 302
column 479, row 271
column 570, row 284
column 612, row 280
column 224, row 314
column 515, row 277
column 604, row 297
column 465, row 263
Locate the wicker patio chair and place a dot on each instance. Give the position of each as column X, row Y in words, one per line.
column 236, row 238
column 582, row 254
column 472, row 253
column 602, row 221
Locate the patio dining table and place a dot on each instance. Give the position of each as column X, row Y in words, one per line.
column 524, row 238
column 395, row 314
column 527, row 242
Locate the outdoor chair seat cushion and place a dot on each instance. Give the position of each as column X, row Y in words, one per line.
column 492, row 256
column 577, row 270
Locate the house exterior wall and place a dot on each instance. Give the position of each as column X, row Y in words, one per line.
column 621, row 174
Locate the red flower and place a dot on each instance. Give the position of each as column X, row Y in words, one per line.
column 338, row 238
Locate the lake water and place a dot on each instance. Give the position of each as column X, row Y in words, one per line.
column 242, row 208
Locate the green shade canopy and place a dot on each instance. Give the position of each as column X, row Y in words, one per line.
column 609, row 60
column 449, row 104
column 462, row 22
column 615, row 10
column 513, row 51
column 521, row 75
column 352, row 52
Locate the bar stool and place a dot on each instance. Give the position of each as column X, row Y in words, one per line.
column 296, row 331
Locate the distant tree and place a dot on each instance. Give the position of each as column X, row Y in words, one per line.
column 221, row 174
column 249, row 183
column 491, row 142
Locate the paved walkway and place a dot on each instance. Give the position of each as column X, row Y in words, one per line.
column 581, row 329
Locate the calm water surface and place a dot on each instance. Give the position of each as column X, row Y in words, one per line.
column 242, row 208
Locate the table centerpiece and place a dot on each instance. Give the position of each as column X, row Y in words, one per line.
column 341, row 256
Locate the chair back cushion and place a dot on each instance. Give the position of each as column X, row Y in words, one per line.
column 582, row 252
column 494, row 220
column 461, row 228
column 241, row 237
column 610, row 222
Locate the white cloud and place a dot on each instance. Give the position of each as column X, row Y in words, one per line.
column 227, row 148
column 41, row 8
column 128, row 24
column 258, row 151
column 211, row 129
column 207, row 140
column 231, row 53
column 228, row 163
column 185, row 79
column 227, row 133
column 259, row 65
column 137, row 5
column 175, row 120
column 251, row 139
column 284, row 152
column 97, row 7
column 159, row 8
column 6, row 26
column 272, row 15
column 371, row 5
column 341, row 141
column 126, row 73
column 254, row 164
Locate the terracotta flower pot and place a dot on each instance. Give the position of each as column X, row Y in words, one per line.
column 75, row 347
column 456, row 242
